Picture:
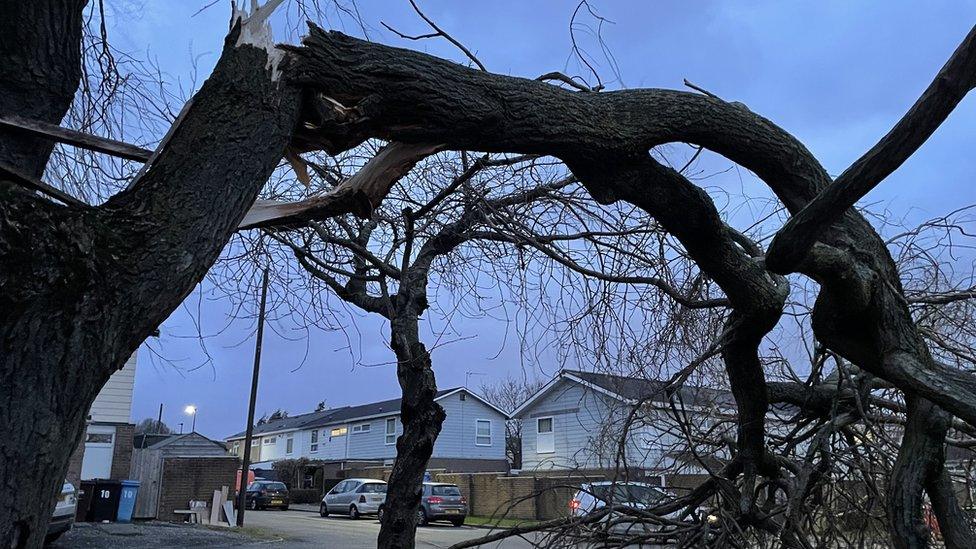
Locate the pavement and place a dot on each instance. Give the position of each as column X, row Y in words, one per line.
column 300, row 528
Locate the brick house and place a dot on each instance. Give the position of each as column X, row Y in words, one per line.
column 106, row 449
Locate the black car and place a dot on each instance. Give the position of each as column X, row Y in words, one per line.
column 262, row 494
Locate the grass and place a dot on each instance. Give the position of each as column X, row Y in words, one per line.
column 496, row 522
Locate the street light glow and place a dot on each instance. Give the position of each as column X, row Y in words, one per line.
column 190, row 410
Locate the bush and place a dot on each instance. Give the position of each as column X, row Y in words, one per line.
column 308, row 495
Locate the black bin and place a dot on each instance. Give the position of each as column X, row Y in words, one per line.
column 84, row 501
column 104, row 504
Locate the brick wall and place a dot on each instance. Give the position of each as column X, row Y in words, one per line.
column 122, row 454
column 74, row 465
column 195, row 478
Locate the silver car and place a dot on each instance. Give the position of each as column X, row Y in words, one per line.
column 64, row 513
column 354, row 497
column 442, row 501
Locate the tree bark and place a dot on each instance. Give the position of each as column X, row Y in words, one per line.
column 83, row 287
column 920, row 467
column 40, row 68
column 421, row 418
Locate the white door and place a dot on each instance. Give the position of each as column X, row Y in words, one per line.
column 99, row 447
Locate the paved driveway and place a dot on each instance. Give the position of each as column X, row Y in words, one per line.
column 302, row 530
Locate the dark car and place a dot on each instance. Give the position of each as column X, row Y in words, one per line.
column 442, row 501
column 262, row 494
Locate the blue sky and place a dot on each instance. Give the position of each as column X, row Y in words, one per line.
column 835, row 74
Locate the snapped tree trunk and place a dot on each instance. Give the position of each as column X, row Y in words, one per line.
column 421, row 418
column 81, row 288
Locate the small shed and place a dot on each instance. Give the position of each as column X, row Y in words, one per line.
column 177, row 469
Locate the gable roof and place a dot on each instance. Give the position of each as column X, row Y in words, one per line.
column 350, row 413
column 630, row 390
column 174, row 438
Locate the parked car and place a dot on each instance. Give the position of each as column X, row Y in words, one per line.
column 637, row 495
column 64, row 513
column 354, row 497
column 262, row 494
column 442, row 501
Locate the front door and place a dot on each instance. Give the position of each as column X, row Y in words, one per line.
column 99, row 448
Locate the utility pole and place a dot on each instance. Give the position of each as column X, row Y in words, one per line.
column 245, row 468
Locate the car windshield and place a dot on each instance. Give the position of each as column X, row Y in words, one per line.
column 275, row 486
column 627, row 493
column 372, row 488
column 445, row 491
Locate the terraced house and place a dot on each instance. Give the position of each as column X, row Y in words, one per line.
column 472, row 437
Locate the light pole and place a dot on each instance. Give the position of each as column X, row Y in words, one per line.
column 191, row 410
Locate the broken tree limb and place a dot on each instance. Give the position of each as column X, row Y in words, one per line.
column 360, row 194
column 38, row 185
column 956, row 79
column 77, row 139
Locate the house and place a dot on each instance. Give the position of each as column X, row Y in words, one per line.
column 576, row 422
column 106, row 449
column 472, row 437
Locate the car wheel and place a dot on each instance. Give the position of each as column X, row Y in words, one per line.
column 51, row 538
column 458, row 522
column 323, row 510
column 285, row 508
column 421, row 517
column 353, row 512
column 250, row 504
column 379, row 513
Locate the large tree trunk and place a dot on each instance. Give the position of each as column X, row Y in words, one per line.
column 422, row 419
column 920, row 467
column 81, row 288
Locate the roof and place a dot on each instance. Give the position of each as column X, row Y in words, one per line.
column 631, row 390
column 347, row 414
column 175, row 438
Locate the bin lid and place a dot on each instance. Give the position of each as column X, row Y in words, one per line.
column 134, row 483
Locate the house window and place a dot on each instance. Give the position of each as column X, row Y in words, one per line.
column 289, row 444
column 338, row 431
column 314, row 441
column 361, row 428
column 463, row 396
column 270, row 440
column 255, row 442
column 391, row 431
column 545, row 443
column 482, row 432
column 99, row 438
column 237, row 448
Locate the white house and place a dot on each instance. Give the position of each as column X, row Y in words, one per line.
column 577, row 420
column 106, row 450
column 472, row 437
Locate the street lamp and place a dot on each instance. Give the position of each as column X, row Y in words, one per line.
column 191, row 410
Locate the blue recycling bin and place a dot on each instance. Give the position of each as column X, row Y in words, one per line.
column 127, row 500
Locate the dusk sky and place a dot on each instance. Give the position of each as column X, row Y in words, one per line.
column 835, row 74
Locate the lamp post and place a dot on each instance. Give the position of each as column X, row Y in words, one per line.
column 191, row 410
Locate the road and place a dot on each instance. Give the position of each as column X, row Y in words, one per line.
column 301, row 530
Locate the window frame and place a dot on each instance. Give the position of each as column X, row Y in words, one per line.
column 551, row 433
column 342, row 431
column 313, row 442
column 361, row 428
column 477, row 423
column 290, row 444
column 387, row 434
